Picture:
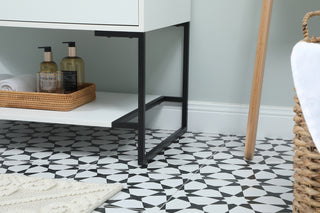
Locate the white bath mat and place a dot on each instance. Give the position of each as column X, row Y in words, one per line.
column 21, row 194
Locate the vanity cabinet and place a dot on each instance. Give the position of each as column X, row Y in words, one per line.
column 107, row 15
column 107, row 18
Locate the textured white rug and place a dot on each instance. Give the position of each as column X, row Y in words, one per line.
column 21, row 194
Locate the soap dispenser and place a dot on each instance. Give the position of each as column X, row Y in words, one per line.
column 48, row 79
column 48, row 65
column 72, row 68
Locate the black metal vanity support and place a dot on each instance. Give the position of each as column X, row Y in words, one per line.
column 142, row 100
column 126, row 120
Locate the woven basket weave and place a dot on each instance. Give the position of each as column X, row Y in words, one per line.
column 48, row 101
column 306, row 161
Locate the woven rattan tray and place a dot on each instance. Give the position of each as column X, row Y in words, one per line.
column 48, row 101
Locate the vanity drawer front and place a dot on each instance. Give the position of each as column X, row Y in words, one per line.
column 106, row 12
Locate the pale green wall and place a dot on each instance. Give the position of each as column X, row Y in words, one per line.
column 224, row 36
column 223, row 43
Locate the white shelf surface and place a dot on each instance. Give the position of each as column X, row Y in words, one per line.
column 101, row 113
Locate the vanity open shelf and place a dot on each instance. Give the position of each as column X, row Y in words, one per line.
column 101, row 112
column 108, row 18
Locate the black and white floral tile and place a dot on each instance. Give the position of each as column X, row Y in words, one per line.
column 199, row 173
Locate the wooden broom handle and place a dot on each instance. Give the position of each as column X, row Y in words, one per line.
column 305, row 27
column 258, row 79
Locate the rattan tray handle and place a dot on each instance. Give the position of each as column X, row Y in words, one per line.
column 306, row 18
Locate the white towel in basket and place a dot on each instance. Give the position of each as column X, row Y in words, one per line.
column 22, row 83
column 305, row 63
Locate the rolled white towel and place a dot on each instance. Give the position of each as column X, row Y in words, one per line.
column 22, row 83
column 5, row 76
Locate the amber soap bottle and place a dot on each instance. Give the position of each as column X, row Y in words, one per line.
column 48, row 79
column 72, row 68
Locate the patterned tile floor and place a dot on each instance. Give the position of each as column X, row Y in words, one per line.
column 199, row 173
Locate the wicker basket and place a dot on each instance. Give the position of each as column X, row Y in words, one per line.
column 48, row 101
column 306, row 159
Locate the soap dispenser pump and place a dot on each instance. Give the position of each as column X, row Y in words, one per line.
column 72, row 67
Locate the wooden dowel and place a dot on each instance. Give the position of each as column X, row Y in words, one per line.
column 258, row 79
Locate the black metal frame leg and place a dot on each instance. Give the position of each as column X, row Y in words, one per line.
column 141, row 99
column 125, row 121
